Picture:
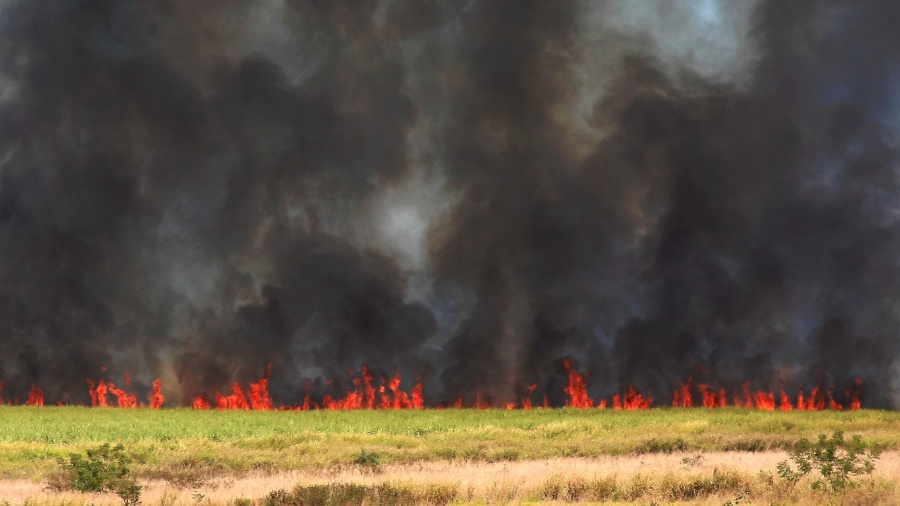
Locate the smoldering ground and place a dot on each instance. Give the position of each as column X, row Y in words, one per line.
column 469, row 192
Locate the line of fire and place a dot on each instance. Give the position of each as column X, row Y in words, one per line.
column 372, row 393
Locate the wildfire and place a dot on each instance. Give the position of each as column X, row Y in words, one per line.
column 36, row 396
column 579, row 398
column 815, row 400
column 371, row 392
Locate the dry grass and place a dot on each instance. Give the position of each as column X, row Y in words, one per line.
column 676, row 478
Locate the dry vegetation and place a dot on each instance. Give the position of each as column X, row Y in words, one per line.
column 662, row 456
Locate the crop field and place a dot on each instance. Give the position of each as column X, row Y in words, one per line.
column 458, row 456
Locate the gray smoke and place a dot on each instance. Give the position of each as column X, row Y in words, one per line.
column 466, row 192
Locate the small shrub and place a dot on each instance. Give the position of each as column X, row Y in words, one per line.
column 689, row 462
column 504, row 455
column 578, row 489
column 751, row 445
column 701, row 486
column 836, row 459
column 98, row 471
column 348, row 494
column 312, row 495
column 438, row 494
column 352, row 494
column 365, row 458
column 101, row 469
column 281, row 497
column 128, row 491
column 661, row 446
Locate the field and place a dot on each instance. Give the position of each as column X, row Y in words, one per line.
column 668, row 455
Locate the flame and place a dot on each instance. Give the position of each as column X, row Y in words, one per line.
column 237, row 399
column 200, row 402
column 682, row 397
column 123, row 398
column 765, row 400
column 98, row 393
column 712, row 399
column 259, row 393
column 367, row 393
column 577, row 389
column 785, row 402
column 156, row 398
column 526, row 401
column 36, row 396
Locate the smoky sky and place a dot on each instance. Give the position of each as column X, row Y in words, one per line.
column 465, row 192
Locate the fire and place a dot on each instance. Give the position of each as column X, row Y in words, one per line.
column 156, row 398
column 526, row 401
column 682, row 397
column 712, row 399
column 765, row 400
column 364, row 395
column 259, row 393
column 785, row 402
column 577, row 389
column 200, row 402
column 101, row 389
column 369, row 392
column 237, row 399
column 36, row 396
column 98, row 393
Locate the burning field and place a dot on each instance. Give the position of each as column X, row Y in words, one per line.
column 240, row 211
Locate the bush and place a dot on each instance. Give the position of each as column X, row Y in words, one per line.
column 836, row 459
column 99, row 470
column 102, row 469
column 365, row 458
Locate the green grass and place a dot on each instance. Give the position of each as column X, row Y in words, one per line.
column 192, row 444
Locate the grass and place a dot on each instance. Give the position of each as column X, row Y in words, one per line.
column 186, row 444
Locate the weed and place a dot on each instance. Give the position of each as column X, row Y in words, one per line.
column 168, row 499
column 279, row 497
column 661, row 446
column 836, row 459
column 751, row 445
column 578, row 489
column 366, row 459
column 128, row 491
column 99, row 470
column 681, row 489
column 689, row 462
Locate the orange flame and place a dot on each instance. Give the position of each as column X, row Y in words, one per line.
column 682, row 397
column 388, row 394
column 200, row 402
column 156, row 398
column 576, row 389
column 36, row 396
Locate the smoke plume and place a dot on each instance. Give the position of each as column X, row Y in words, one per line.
column 466, row 192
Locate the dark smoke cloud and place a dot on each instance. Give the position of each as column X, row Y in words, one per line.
column 466, row 192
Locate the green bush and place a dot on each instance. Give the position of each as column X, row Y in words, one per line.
column 99, row 470
column 365, row 458
column 102, row 469
column 836, row 459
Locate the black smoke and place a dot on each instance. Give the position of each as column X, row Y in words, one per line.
column 467, row 192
